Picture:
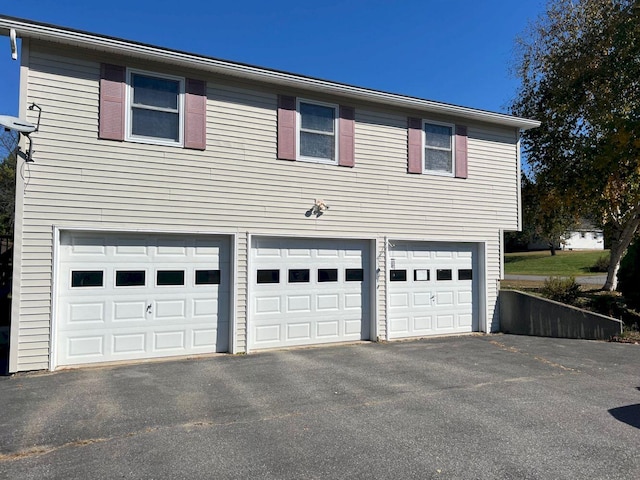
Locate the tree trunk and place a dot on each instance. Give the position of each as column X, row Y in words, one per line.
column 619, row 247
column 552, row 247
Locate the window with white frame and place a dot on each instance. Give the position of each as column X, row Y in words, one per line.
column 439, row 151
column 317, row 132
column 155, row 111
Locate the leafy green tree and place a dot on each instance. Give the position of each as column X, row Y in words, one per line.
column 579, row 66
column 8, row 154
column 545, row 213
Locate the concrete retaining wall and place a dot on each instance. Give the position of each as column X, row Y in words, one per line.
column 524, row 314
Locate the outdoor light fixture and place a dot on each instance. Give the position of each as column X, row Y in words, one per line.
column 318, row 208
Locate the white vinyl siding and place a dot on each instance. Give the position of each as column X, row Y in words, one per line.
column 237, row 186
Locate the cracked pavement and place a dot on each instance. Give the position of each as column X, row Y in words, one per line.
column 495, row 406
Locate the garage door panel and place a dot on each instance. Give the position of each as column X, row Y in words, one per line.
column 82, row 347
column 150, row 297
column 170, row 309
column 299, row 303
column 80, row 313
column 423, row 323
column 268, row 305
column 327, row 303
column 444, row 321
column 298, row 331
column 206, row 337
column 129, row 311
column 267, row 333
column 174, row 340
column 399, row 299
column 399, row 325
column 422, row 299
column 205, row 309
column 124, row 343
column 329, row 329
column 444, row 299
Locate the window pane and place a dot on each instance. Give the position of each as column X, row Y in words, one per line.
column 439, row 160
column 268, row 276
column 87, row 278
column 465, row 274
column 317, row 117
column 298, row 275
column 130, row 278
column 353, row 274
column 437, row 136
column 398, row 276
column 317, row 145
column 154, row 91
column 152, row 123
column 421, row 275
column 170, row 277
column 327, row 275
column 207, row 277
column 444, row 274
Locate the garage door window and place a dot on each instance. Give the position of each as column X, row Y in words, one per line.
column 398, row 276
column 89, row 278
column 420, row 275
column 207, row 277
column 130, row 278
column 353, row 274
column 298, row 275
column 465, row 274
column 170, row 277
column 327, row 275
column 444, row 274
column 268, row 276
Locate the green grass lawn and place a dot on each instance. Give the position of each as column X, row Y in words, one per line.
column 564, row 263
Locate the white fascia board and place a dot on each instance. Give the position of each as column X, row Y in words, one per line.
column 54, row 34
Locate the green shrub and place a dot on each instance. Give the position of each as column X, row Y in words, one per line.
column 601, row 265
column 560, row 289
column 608, row 304
column 629, row 275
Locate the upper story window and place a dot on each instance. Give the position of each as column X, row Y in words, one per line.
column 152, row 108
column 155, row 108
column 317, row 126
column 439, row 154
column 436, row 148
column 316, row 132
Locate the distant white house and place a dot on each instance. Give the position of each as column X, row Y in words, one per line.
column 584, row 237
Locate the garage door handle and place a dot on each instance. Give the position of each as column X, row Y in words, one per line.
column 149, row 308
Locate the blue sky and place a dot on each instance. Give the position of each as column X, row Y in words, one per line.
column 453, row 51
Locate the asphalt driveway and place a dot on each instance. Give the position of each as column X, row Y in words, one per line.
column 497, row 406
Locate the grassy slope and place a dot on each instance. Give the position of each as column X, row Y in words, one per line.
column 564, row 263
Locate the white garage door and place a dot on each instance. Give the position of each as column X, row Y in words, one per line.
column 123, row 297
column 308, row 291
column 432, row 289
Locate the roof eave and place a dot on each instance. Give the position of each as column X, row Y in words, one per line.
column 28, row 29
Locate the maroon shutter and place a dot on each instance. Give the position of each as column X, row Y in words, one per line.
column 461, row 151
column 112, row 102
column 346, row 146
column 415, row 145
column 286, row 127
column 195, row 118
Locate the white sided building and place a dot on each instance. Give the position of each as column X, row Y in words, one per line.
column 178, row 204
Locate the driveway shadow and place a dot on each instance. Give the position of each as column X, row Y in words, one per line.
column 629, row 414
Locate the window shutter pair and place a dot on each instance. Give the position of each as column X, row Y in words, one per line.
column 113, row 104
column 287, row 134
column 415, row 152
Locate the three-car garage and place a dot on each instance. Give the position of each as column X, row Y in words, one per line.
column 129, row 296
